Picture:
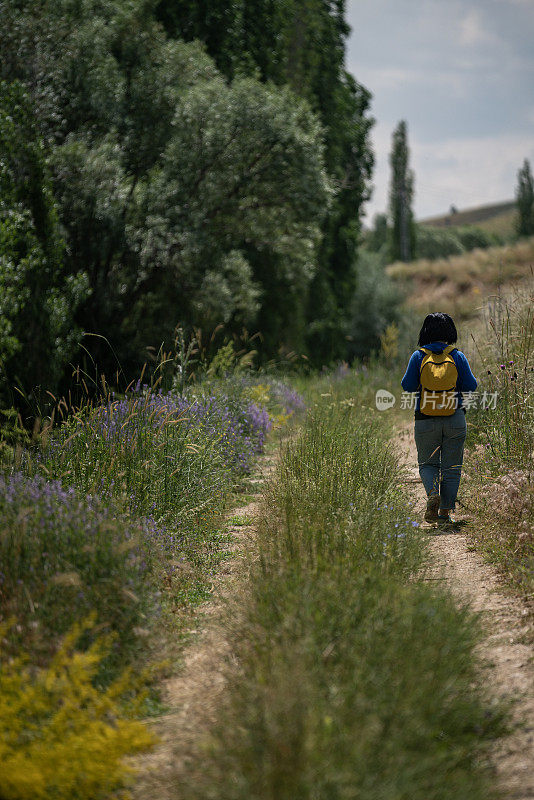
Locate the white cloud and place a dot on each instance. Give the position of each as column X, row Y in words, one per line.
column 472, row 31
column 461, row 73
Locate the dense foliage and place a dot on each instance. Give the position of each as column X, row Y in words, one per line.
column 37, row 295
column 149, row 181
column 301, row 44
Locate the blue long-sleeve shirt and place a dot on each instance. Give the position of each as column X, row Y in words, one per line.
column 411, row 381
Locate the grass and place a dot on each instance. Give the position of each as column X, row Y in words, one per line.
column 460, row 284
column 351, row 678
column 499, row 218
column 117, row 515
column 239, row 520
column 499, row 465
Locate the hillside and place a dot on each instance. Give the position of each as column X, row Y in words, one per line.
column 495, row 218
column 460, row 284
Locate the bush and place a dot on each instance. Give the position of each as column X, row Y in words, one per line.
column 63, row 556
column 250, row 392
column 60, row 735
column 437, row 243
column 472, row 238
column 376, row 305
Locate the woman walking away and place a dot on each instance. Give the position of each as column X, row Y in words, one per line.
column 439, row 373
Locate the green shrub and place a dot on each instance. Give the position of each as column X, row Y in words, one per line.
column 437, row 243
column 60, row 735
column 376, row 305
column 471, row 238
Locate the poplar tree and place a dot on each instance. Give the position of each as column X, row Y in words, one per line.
column 402, row 243
column 525, row 200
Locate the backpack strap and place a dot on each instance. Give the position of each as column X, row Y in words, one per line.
column 445, row 351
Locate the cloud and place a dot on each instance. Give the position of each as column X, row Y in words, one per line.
column 385, row 79
column 460, row 73
column 472, row 31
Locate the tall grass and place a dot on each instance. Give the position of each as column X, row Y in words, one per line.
column 350, row 678
column 120, row 508
column 114, row 516
column 63, row 557
column 460, row 284
column 500, row 464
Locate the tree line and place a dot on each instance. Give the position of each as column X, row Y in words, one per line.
column 175, row 162
column 403, row 240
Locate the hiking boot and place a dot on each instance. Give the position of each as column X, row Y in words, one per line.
column 445, row 521
column 432, row 506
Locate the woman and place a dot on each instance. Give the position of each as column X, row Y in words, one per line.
column 440, row 428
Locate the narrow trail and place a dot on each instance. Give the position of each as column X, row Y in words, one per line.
column 193, row 694
column 507, row 657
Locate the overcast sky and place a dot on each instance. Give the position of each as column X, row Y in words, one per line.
column 461, row 73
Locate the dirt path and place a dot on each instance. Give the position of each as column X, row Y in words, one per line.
column 508, row 659
column 193, row 695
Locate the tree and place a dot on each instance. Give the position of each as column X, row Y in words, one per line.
column 525, row 200
column 377, row 237
column 302, row 43
column 232, row 212
column 198, row 183
column 402, row 245
column 37, row 297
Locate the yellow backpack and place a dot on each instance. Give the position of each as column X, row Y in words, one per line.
column 438, row 383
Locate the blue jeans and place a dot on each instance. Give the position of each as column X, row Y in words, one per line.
column 440, row 453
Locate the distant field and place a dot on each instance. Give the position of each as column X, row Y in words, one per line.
column 459, row 285
column 498, row 218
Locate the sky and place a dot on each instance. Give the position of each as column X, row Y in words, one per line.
column 461, row 73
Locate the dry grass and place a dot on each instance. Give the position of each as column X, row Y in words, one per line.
column 460, row 284
column 500, row 462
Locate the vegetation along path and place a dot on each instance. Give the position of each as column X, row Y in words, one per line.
column 193, row 695
column 236, row 718
column 505, row 649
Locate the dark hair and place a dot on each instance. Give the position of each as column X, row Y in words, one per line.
column 437, row 327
